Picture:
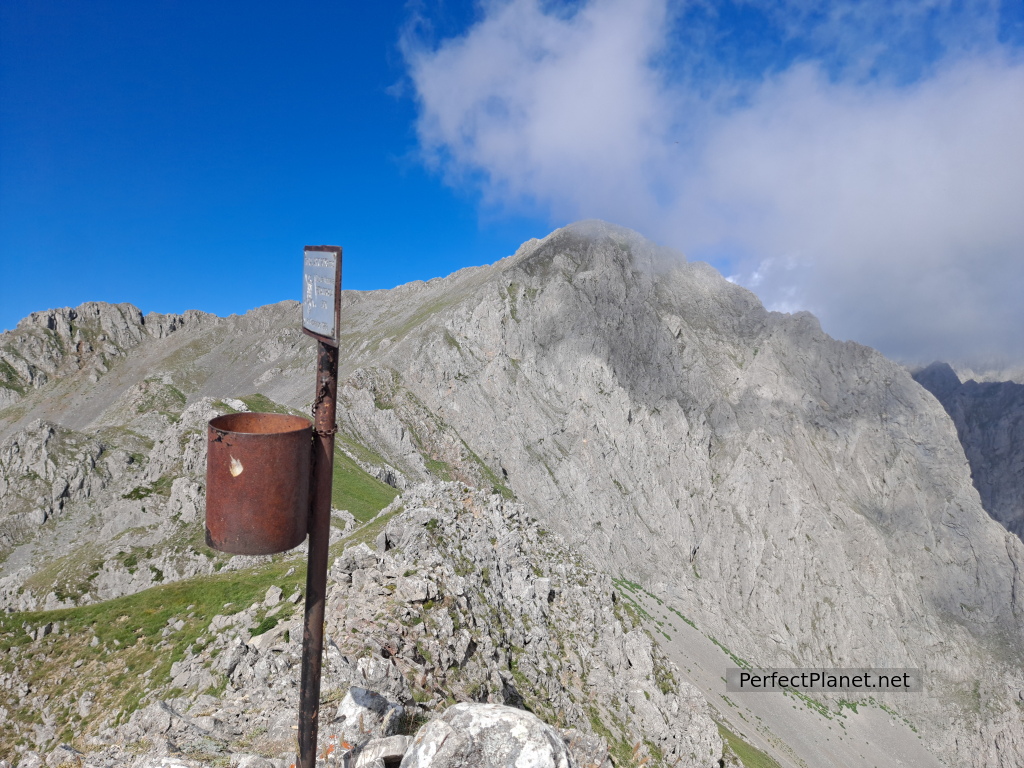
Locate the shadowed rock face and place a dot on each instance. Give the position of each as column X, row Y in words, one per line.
column 989, row 419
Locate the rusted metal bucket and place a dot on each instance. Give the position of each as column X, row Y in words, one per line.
column 257, row 482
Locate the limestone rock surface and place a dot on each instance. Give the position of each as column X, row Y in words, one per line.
column 487, row 736
column 514, row 618
column 989, row 419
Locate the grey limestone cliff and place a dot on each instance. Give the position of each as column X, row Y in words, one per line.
column 802, row 498
column 989, row 419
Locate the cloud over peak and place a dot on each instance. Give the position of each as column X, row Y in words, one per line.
column 882, row 193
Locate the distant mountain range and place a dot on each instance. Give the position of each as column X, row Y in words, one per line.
column 752, row 490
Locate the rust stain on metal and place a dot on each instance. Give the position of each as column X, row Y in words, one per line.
column 257, row 482
column 325, row 427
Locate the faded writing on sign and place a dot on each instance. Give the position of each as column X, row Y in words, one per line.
column 320, row 275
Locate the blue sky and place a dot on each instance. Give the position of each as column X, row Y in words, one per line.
column 179, row 155
column 861, row 160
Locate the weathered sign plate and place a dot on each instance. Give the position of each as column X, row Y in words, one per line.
column 321, row 292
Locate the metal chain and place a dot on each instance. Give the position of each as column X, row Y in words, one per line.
column 322, row 393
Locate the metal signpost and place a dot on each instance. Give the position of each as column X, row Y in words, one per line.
column 321, row 319
column 266, row 485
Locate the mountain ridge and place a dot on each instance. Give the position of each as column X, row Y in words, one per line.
column 801, row 499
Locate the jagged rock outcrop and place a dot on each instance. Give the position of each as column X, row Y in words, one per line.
column 101, row 365
column 989, row 419
column 43, row 468
column 487, row 606
column 463, row 598
column 72, row 495
column 57, row 342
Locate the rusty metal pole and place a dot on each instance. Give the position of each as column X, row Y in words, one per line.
column 324, row 427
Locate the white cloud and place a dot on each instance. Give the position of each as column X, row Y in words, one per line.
column 532, row 101
column 893, row 211
column 904, row 205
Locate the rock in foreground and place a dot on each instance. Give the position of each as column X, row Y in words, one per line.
column 487, row 736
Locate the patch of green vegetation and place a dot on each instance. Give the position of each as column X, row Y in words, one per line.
column 851, row 705
column 162, row 398
column 14, row 412
column 625, row 583
column 657, row 756
column 622, row 753
column 749, row 755
column 421, row 315
column 382, row 404
column 664, row 678
column 161, row 487
column 183, row 362
column 677, row 613
column 132, row 442
column 259, row 403
column 438, row 468
column 739, row 662
column 451, row 341
column 366, row 533
column 411, row 721
column 513, row 295
column 811, row 703
column 633, row 611
column 131, row 659
column 268, row 623
column 893, row 713
column 630, row 605
column 360, row 451
column 358, row 491
column 10, row 379
column 489, row 475
column 69, row 576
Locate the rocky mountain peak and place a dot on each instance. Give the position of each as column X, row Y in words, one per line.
column 57, row 342
column 940, row 379
column 594, row 246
